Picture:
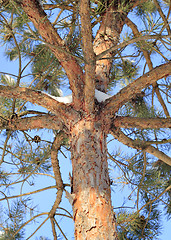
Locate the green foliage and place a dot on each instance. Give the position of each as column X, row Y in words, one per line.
column 32, row 159
column 145, row 8
column 135, row 226
column 15, row 217
column 146, row 179
column 7, row 103
column 27, row 154
column 101, row 6
column 47, row 71
column 123, row 72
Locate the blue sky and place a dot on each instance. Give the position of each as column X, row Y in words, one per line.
column 46, row 199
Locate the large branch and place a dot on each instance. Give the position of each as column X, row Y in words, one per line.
column 139, row 145
column 73, row 70
column 36, row 122
column 135, row 122
column 89, row 56
column 37, row 97
column 113, row 104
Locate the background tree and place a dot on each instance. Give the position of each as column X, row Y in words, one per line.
column 94, row 48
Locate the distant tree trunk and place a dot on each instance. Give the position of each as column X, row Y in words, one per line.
column 92, row 209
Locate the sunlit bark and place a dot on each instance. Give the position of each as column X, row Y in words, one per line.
column 142, row 123
column 73, row 70
column 93, row 214
column 114, row 103
column 86, row 121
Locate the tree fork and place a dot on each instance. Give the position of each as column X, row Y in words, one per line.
column 92, row 209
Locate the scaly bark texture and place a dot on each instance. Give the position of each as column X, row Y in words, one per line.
column 89, row 56
column 73, row 70
column 93, row 213
column 86, row 121
column 107, row 37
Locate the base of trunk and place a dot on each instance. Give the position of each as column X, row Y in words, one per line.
column 93, row 214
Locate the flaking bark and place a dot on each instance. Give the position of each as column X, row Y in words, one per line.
column 88, row 125
column 93, row 214
column 73, row 70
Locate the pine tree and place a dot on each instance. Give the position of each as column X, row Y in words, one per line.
column 114, row 58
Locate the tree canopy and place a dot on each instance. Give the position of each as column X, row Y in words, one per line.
column 86, row 73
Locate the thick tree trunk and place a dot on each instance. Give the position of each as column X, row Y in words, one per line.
column 107, row 37
column 93, row 214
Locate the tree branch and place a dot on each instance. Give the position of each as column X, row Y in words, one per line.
column 113, row 104
column 53, row 228
column 162, row 16
column 73, row 70
column 37, row 97
column 161, row 101
column 149, row 63
column 126, row 43
column 89, row 56
column 59, row 183
column 54, row 159
column 140, row 145
column 28, row 193
column 41, row 121
column 33, row 218
column 61, row 6
column 142, row 123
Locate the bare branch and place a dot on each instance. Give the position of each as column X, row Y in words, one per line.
column 149, row 63
column 60, row 229
column 157, row 91
column 61, row 6
column 38, row 97
column 140, row 145
column 126, row 43
column 56, row 169
column 162, row 16
column 135, row 122
column 38, row 228
column 86, row 31
column 29, row 193
column 53, row 229
column 33, row 218
column 5, row 146
column 54, row 159
column 156, row 198
column 73, row 70
column 113, row 104
column 38, row 122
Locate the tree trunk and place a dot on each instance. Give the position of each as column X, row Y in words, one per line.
column 92, row 210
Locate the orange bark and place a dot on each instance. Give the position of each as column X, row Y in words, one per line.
column 89, row 56
column 106, row 38
column 114, row 103
column 37, row 97
column 129, row 122
column 93, row 214
column 73, row 70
